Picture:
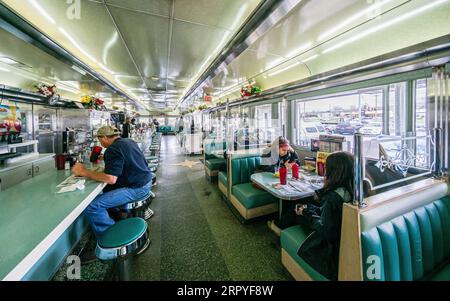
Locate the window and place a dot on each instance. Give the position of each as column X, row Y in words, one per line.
column 342, row 114
column 265, row 126
column 171, row 121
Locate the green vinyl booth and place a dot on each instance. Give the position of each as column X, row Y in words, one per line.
column 401, row 235
column 223, row 182
column 167, row 129
column 213, row 164
column 249, row 201
column 413, row 246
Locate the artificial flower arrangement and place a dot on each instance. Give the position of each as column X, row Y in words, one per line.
column 251, row 89
column 92, row 102
column 202, row 107
column 46, row 90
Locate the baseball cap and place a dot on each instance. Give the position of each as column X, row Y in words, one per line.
column 107, row 131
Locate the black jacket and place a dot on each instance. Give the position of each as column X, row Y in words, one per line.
column 290, row 157
column 126, row 130
column 321, row 248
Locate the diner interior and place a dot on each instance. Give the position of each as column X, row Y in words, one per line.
column 206, row 88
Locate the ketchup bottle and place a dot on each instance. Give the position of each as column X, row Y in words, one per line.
column 283, row 175
column 295, row 171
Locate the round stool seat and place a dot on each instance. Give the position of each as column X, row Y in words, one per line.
column 147, row 199
column 122, row 239
column 153, row 167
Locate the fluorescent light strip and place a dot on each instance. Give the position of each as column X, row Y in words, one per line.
column 284, row 69
column 310, row 58
column 75, row 91
column 109, row 45
column 75, row 43
column 384, row 25
column 43, row 12
column 275, row 63
column 4, row 69
column 351, row 19
column 106, row 69
column 8, row 61
column 299, row 50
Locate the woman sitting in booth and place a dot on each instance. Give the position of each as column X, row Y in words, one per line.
column 277, row 154
column 321, row 249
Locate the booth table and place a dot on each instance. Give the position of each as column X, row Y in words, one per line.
column 293, row 190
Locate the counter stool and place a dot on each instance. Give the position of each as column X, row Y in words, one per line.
column 121, row 241
column 138, row 208
column 153, row 179
column 153, row 167
column 152, row 159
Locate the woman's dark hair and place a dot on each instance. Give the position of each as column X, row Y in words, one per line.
column 282, row 141
column 340, row 172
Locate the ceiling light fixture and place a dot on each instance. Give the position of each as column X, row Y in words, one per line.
column 310, row 58
column 71, row 90
column 348, row 21
column 385, row 25
column 299, row 50
column 106, row 69
column 9, row 61
column 75, row 43
column 284, row 69
column 79, row 70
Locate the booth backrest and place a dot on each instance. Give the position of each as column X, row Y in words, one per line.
column 402, row 200
column 213, row 146
column 243, row 168
column 410, row 246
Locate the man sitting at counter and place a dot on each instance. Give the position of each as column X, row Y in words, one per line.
column 126, row 173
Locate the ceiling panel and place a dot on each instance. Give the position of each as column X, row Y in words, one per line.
column 226, row 14
column 190, row 53
column 36, row 66
column 146, row 37
column 158, row 7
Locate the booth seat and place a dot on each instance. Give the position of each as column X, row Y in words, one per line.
column 248, row 200
column 223, row 182
column 213, row 164
column 402, row 234
column 291, row 239
column 413, row 246
column 167, row 129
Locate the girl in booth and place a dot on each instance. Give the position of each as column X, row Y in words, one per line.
column 277, row 154
column 321, row 249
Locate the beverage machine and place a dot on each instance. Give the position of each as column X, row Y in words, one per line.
column 80, row 128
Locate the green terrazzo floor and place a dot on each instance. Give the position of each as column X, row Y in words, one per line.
column 194, row 234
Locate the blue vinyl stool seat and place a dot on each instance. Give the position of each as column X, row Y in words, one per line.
column 123, row 240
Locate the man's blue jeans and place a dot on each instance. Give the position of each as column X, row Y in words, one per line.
column 97, row 213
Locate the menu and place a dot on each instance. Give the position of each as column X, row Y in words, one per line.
column 10, row 121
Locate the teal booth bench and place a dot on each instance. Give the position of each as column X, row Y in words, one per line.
column 401, row 235
column 167, row 129
column 213, row 164
column 249, row 201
